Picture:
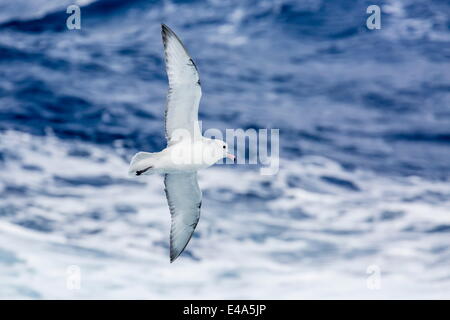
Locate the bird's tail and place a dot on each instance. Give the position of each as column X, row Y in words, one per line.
column 142, row 163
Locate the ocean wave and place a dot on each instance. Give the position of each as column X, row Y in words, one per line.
column 72, row 83
column 71, row 204
column 363, row 118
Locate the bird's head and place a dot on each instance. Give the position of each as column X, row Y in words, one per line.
column 221, row 149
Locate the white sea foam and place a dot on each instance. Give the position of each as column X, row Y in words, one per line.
column 309, row 232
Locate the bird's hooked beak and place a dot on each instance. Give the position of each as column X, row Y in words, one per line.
column 230, row 156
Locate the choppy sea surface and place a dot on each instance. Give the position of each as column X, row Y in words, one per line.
column 363, row 184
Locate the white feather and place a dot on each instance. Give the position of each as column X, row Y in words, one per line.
column 184, row 94
column 184, row 198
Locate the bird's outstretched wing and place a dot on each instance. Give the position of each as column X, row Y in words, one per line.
column 184, row 93
column 185, row 199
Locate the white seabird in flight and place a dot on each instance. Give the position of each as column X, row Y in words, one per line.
column 187, row 150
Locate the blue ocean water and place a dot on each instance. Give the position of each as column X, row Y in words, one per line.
column 364, row 119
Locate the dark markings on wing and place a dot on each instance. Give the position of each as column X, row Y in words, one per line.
column 139, row 172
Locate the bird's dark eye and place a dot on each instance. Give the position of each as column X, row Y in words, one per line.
column 224, row 147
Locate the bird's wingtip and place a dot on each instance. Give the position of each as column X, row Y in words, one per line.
column 165, row 28
column 174, row 254
column 166, row 33
column 173, row 258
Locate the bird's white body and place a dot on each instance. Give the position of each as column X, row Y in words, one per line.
column 181, row 157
